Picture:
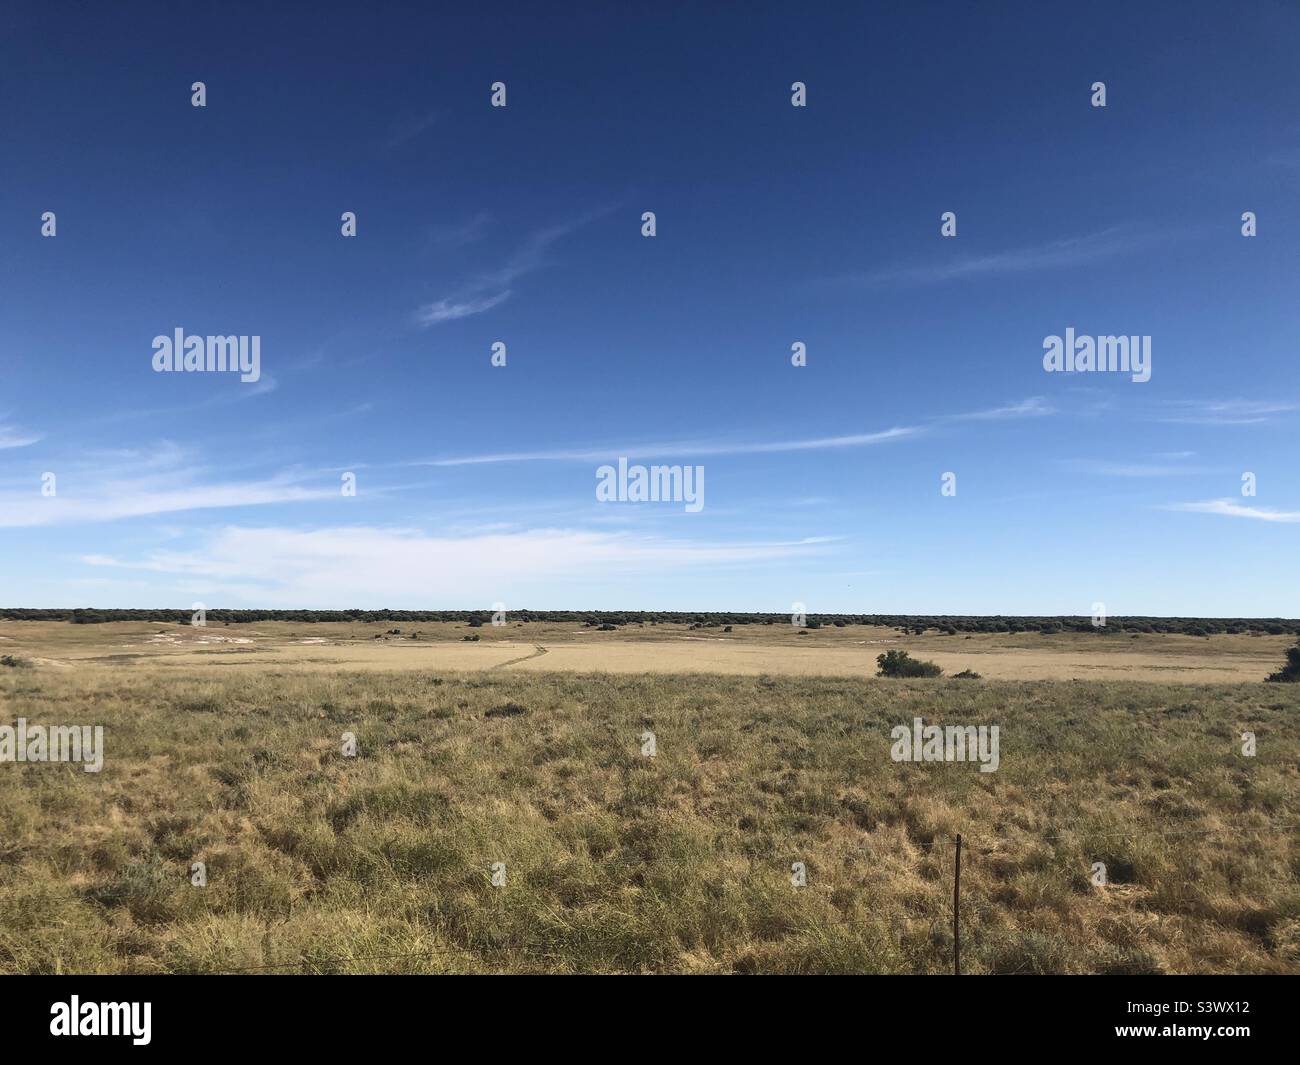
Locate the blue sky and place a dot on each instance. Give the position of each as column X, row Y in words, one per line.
column 775, row 224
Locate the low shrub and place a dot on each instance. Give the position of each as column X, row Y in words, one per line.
column 901, row 664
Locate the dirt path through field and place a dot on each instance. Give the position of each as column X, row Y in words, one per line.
column 538, row 651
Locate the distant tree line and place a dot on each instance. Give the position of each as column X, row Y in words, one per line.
column 909, row 624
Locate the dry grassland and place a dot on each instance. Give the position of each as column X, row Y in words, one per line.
column 228, row 753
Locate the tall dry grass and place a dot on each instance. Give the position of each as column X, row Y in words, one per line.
column 616, row 862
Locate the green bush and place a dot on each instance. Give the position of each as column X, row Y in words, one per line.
column 901, row 664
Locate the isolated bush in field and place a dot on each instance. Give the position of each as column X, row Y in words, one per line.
column 1291, row 671
column 901, row 664
column 14, row 663
column 967, row 674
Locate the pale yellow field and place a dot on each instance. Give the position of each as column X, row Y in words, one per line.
column 568, row 647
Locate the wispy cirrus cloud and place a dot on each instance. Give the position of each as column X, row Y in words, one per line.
column 493, row 288
column 1227, row 411
column 1232, row 509
column 11, row 436
column 1161, row 464
column 1033, row 407
column 1135, row 469
column 680, row 448
column 410, row 127
column 227, row 397
column 139, row 500
column 388, row 566
column 458, row 234
column 130, row 484
column 1053, row 255
column 448, row 310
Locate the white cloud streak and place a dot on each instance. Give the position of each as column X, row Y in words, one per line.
column 1034, row 407
column 1055, row 255
column 448, row 310
column 1227, row 411
column 495, row 287
column 115, row 502
column 385, row 566
column 681, row 449
column 11, row 437
column 132, row 484
column 1232, row 509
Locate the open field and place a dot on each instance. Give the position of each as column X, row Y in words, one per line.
column 750, row 650
column 228, row 753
